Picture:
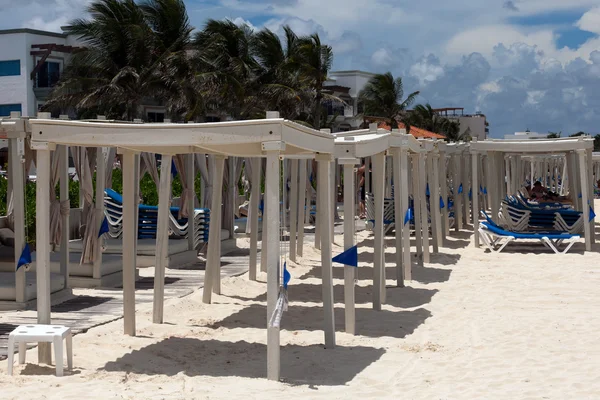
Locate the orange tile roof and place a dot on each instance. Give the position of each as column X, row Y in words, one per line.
column 416, row 132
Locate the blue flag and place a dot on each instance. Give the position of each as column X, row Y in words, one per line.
column 408, row 215
column 348, row 257
column 484, row 190
column 286, row 276
column 592, row 214
column 261, row 206
column 579, row 195
column 103, row 227
column 25, row 258
column 470, row 193
column 460, row 189
column 427, row 190
column 442, row 205
column 173, row 168
column 480, row 189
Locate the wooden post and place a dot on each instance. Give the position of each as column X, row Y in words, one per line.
column 271, row 218
column 583, row 171
column 265, row 232
column 458, row 208
column 130, row 223
column 99, row 210
column 398, row 215
column 378, row 249
column 162, row 238
column 293, row 208
column 475, row 177
column 302, row 207
column 18, row 190
column 318, row 214
column 333, row 195
column 349, row 231
column 434, row 204
column 405, row 228
column 590, row 202
column 42, row 232
column 254, row 201
column 416, row 191
column 423, row 204
column 64, row 197
column 213, row 259
column 444, row 192
column 324, row 187
column 191, row 182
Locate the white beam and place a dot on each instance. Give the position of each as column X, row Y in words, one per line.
column 303, row 208
column 398, row 214
column 254, row 201
column 349, row 231
column 17, row 181
column 434, row 204
column 423, row 204
column 130, row 223
column 42, row 232
column 99, row 210
column 64, row 197
column 587, row 227
column 417, row 198
column 324, row 187
column 378, row 249
column 405, row 228
column 191, row 182
column 162, row 238
column 475, row 187
column 293, row 208
column 271, row 255
column 213, row 259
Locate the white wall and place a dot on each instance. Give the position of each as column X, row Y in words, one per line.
column 19, row 89
column 13, row 89
column 477, row 125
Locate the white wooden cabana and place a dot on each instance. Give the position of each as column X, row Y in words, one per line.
column 577, row 153
column 19, row 286
column 348, row 152
column 271, row 138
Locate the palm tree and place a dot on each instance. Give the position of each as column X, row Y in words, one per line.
column 281, row 83
column 382, row 97
column 314, row 60
column 227, row 67
column 128, row 48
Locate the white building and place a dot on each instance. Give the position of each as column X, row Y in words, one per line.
column 347, row 85
column 526, row 135
column 475, row 125
column 31, row 63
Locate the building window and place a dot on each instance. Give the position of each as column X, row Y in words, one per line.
column 6, row 109
column 155, row 116
column 48, row 75
column 10, row 68
column 334, row 107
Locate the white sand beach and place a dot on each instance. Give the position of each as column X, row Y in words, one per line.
column 516, row 325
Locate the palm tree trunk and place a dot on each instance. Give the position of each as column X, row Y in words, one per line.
column 318, row 110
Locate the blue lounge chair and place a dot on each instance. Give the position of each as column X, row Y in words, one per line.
column 496, row 238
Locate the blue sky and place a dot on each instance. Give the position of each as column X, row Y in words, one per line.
column 524, row 63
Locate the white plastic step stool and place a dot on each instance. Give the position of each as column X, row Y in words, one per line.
column 24, row 334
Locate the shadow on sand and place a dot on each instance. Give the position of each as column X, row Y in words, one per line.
column 300, row 365
column 406, row 297
column 398, row 324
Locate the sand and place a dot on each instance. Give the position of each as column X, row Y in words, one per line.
column 471, row 325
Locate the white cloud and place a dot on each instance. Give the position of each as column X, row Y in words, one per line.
column 239, row 21
column 590, row 21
